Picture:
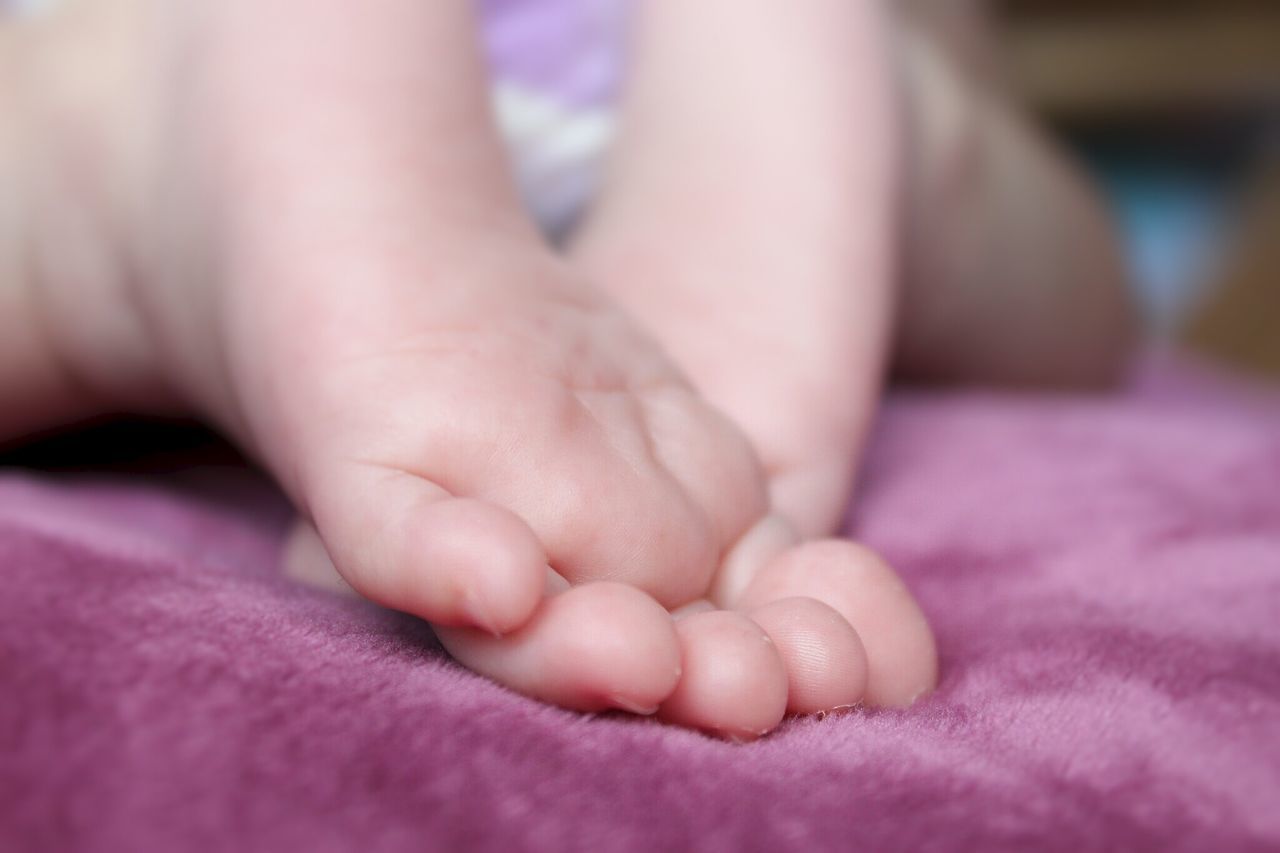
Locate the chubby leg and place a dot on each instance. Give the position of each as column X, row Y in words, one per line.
column 37, row 390
column 1011, row 270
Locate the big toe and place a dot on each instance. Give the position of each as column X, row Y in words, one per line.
column 406, row 543
column 902, row 663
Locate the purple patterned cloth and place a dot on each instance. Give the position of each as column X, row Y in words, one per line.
column 1103, row 574
column 570, row 50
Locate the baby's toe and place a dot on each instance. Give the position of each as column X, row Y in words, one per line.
column 406, row 543
column 826, row 663
column 852, row 580
column 734, row 681
column 593, row 647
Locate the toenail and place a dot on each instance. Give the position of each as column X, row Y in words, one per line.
column 836, row 709
column 633, row 707
column 742, row 736
column 479, row 614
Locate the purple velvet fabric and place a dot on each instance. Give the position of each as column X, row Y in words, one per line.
column 1103, row 574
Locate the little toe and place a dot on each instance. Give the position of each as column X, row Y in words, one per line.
column 902, row 662
column 593, row 647
column 734, row 682
column 826, row 663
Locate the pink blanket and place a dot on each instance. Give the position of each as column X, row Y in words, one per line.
column 1103, row 574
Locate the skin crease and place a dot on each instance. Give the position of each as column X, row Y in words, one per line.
column 542, row 455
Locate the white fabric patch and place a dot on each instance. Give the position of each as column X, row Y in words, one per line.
column 557, row 152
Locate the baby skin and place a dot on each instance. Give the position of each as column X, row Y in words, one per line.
column 602, row 474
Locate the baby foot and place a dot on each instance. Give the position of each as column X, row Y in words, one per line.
column 345, row 286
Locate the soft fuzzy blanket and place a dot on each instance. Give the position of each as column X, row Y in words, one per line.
column 1103, row 574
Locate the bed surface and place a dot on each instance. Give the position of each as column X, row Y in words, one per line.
column 1103, row 574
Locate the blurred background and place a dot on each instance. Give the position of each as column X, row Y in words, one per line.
column 1175, row 105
